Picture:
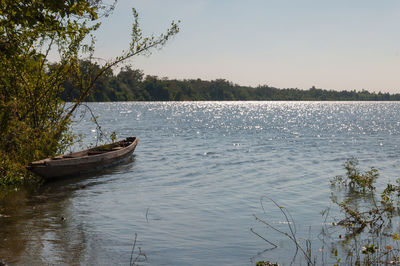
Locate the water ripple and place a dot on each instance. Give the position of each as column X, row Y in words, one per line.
column 200, row 170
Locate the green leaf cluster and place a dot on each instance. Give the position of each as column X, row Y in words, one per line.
column 367, row 218
column 33, row 124
column 34, row 120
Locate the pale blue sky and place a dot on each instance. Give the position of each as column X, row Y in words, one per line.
column 341, row 44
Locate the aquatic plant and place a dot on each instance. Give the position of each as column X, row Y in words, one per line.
column 361, row 233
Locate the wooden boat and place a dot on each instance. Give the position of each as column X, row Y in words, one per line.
column 85, row 161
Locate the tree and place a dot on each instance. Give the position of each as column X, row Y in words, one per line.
column 34, row 121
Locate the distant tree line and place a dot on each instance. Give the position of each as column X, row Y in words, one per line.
column 133, row 85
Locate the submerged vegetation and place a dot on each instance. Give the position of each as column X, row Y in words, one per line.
column 34, row 119
column 362, row 233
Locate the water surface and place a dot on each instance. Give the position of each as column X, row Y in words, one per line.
column 196, row 179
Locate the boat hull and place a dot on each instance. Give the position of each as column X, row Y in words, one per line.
column 83, row 162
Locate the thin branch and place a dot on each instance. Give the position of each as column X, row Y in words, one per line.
column 292, row 236
column 263, row 238
column 131, row 262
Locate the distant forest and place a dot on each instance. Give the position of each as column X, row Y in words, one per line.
column 133, row 85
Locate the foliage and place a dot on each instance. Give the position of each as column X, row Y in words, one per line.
column 132, row 85
column 355, row 179
column 367, row 216
column 362, row 233
column 367, row 211
column 34, row 120
column 266, row 263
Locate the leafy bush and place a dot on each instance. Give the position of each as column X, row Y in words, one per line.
column 34, row 121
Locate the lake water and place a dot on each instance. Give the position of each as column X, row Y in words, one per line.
column 196, row 179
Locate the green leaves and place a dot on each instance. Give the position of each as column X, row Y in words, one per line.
column 34, row 121
column 140, row 44
column 355, row 179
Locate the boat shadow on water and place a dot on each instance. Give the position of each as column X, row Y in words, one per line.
column 84, row 180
